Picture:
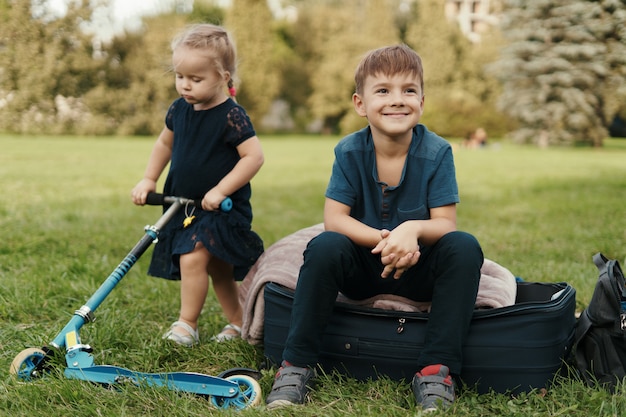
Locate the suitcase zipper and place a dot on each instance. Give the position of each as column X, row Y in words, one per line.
column 401, row 322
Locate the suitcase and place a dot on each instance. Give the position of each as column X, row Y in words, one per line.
column 509, row 350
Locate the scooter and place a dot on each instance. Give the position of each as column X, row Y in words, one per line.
column 235, row 388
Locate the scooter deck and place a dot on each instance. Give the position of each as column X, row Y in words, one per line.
column 180, row 381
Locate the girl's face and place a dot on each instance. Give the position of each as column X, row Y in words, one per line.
column 393, row 104
column 197, row 80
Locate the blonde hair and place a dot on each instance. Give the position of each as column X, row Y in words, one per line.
column 389, row 60
column 217, row 41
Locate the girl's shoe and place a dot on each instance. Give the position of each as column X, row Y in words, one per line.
column 229, row 332
column 189, row 339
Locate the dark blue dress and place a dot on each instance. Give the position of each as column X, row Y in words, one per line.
column 203, row 152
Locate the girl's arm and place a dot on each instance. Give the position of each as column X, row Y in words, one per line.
column 251, row 160
column 159, row 158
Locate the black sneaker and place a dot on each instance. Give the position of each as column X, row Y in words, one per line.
column 433, row 388
column 291, row 385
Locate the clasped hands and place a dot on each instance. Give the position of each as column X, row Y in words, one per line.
column 398, row 249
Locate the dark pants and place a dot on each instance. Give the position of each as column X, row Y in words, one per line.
column 447, row 274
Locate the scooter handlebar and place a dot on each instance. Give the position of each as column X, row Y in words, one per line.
column 156, row 199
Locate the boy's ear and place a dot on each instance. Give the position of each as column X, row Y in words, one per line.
column 359, row 106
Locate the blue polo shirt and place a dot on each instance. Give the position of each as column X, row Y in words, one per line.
column 428, row 179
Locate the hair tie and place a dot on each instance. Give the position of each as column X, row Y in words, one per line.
column 232, row 91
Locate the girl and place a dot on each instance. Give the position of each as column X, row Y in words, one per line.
column 213, row 152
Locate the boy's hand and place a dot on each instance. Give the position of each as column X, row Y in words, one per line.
column 398, row 250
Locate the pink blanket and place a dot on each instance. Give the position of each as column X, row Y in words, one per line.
column 281, row 264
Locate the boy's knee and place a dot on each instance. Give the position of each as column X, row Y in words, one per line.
column 326, row 243
column 465, row 239
column 463, row 242
column 327, row 254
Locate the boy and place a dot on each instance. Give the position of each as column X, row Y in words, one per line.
column 390, row 227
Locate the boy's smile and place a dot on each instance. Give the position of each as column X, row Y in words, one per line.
column 393, row 104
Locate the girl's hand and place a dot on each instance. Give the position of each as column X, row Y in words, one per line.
column 212, row 200
column 141, row 190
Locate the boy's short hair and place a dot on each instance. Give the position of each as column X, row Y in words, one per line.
column 389, row 60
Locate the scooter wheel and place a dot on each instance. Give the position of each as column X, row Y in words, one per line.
column 249, row 394
column 25, row 363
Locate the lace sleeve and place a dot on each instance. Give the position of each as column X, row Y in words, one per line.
column 239, row 126
column 171, row 115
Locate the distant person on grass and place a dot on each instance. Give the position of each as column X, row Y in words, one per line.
column 390, row 227
column 214, row 153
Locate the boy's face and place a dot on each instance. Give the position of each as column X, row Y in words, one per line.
column 392, row 104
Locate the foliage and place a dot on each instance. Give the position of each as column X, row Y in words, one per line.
column 138, row 85
column 67, row 221
column 460, row 97
column 374, row 26
column 122, row 86
column 561, row 75
column 294, row 50
column 564, row 69
column 47, row 67
column 337, row 35
column 250, row 22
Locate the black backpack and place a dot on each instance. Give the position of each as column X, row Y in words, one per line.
column 601, row 330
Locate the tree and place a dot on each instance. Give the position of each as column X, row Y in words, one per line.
column 137, row 84
column 460, row 97
column 375, row 27
column 340, row 34
column 46, row 67
column 293, row 52
column 564, row 70
column 250, row 23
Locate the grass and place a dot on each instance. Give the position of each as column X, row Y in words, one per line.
column 66, row 221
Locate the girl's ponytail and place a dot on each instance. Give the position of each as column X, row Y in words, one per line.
column 231, row 90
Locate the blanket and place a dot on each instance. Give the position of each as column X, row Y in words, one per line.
column 281, row 262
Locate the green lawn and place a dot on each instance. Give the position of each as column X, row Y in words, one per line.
column 66, row 221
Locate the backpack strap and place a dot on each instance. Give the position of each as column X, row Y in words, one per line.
column 614, row 272
column 601, row 261
column 583, row 324
column 611, row 270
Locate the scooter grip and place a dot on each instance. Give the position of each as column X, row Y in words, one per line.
column 226, row 205
column 155, row 199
